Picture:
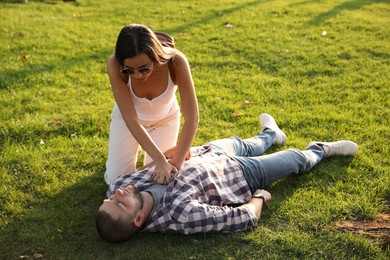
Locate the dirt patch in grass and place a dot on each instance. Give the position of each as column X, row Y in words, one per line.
column 377, row 229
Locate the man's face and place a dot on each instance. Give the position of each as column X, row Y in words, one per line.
column 124, row 203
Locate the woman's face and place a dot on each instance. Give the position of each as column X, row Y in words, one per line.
column 139, row 67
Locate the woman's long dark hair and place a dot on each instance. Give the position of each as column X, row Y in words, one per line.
column 135, row 39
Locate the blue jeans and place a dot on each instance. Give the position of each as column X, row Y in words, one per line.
column 260, row 171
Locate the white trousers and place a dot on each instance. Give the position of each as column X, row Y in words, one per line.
column 123, row 147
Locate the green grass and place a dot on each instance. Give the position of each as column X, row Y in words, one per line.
column 56, row 101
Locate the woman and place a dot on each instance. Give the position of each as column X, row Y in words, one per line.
column 144, row 77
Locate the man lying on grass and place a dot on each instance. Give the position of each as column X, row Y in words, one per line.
column 203, row 196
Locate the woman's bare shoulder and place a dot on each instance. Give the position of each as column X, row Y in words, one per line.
column 112, row 61
column 113, row 70
column 179, row 59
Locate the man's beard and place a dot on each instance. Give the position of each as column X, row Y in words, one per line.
column 136, row 194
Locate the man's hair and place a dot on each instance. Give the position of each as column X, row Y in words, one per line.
column 114, row 230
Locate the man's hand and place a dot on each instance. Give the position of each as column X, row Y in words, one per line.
column 266, row 195
column 163, row 172
column 256, row 204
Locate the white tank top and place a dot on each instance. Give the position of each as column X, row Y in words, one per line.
column 159, row 108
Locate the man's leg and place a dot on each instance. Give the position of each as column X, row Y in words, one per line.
column 235, row 146
column 263, row 170
column 254, row 146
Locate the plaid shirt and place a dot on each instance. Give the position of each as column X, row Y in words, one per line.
column 200, row 198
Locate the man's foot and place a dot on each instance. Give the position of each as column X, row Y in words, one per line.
column 337, row 148
column 268, row 122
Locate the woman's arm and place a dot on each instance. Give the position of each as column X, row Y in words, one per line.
column 129, row 114
column 189, row 106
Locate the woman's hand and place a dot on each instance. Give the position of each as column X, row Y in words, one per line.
column 170, row 154
column 163, row 172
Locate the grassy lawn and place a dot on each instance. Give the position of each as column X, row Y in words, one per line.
column 321, row 68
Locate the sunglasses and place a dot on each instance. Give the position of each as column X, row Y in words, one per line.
column 130, row 71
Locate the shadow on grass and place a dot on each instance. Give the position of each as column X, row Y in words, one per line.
column 61, row 225
column 279, row 59
column 29, row 72
column 214, row 16
column 345, row 6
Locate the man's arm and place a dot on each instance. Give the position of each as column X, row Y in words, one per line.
column 256, row 204
column 191, row 216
